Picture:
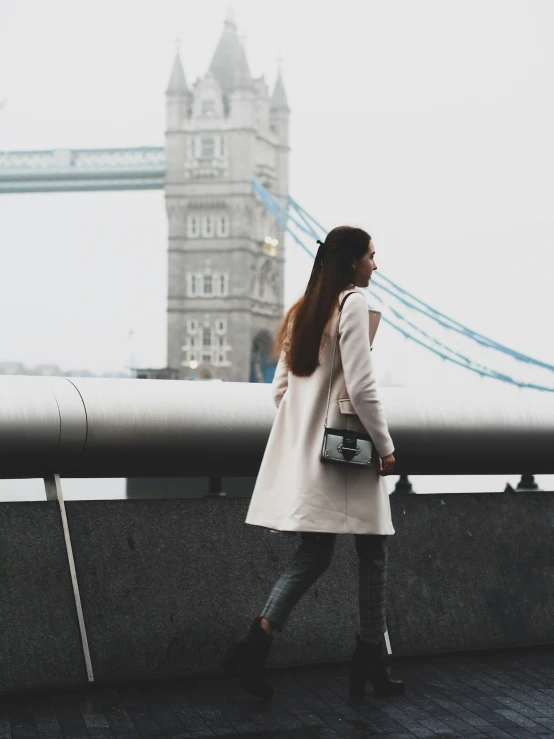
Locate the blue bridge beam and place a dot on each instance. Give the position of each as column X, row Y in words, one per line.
column 69, row 170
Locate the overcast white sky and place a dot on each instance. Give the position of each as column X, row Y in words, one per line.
column 429, row 123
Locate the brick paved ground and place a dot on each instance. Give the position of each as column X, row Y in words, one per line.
column 502, row 696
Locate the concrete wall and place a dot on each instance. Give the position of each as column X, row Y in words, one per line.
column 166, row 585
column 39, row 639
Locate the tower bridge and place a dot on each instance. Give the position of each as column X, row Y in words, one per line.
column 225, row 281
column 224, row 173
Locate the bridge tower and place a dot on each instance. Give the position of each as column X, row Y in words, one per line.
column 226, row 253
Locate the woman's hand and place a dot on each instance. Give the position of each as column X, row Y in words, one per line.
column 386, row 466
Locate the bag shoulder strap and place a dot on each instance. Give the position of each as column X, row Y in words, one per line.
column 334, row 354
column 344, row 300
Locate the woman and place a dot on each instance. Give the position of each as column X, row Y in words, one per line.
column 295, row 492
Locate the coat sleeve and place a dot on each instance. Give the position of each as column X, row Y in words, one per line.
column 358, row 372
column 280, row 380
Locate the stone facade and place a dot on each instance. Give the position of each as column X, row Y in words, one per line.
column 226, row 253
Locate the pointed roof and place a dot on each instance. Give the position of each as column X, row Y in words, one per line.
column 279, row 98
column 177, row 82
column 243, row 78
column 229, row 64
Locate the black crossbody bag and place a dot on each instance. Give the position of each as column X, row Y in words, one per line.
column 341, row 445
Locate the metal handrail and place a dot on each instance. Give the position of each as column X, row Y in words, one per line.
column 111, row 427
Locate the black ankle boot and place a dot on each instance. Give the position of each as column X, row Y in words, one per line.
column 249, row 654
column 368, row 663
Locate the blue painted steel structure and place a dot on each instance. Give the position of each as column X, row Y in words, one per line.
column 67, row 170
column 300, row 224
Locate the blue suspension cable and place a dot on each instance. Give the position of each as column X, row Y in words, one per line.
column 300, row 209
column 281, row 220
column 440, row 318
column 468, row 361
column 271, row 202
column 282, row 215
column 503, row 378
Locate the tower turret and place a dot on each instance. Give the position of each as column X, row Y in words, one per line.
column 279, row 117
column 177, row 97
column 280, row 110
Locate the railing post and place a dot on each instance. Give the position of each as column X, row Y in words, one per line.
column 215, row 489
column 403, row 485
column 527, row 482
column 53, row 487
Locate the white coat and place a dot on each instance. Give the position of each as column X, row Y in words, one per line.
column 294, row 490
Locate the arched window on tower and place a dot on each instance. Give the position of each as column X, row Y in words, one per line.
column 208, row 108
column 207, row 284
column 222, row 226
column 207, row 147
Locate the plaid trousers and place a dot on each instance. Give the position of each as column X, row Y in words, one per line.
column 312, row 558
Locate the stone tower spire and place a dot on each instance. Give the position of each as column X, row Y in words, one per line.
column 229, row 64
column 177, row 96
column 177, row 81
column 279, row 117
column 279, row 98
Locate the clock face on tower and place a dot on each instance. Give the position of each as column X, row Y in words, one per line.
column 269, row 247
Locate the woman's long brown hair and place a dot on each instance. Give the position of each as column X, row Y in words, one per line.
column 301, row 330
